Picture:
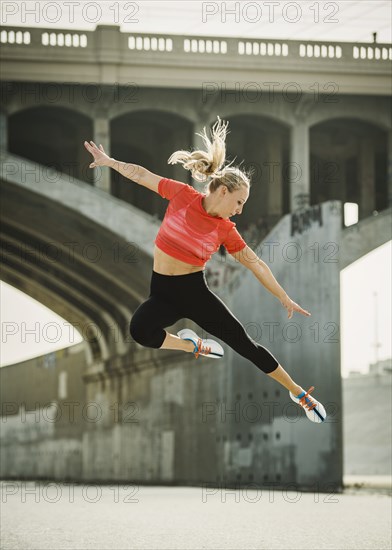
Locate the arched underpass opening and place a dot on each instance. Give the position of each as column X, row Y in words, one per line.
column 262, row 145
column 52, row 137
column 30, row 329
column 148, row 138
column 349, row 162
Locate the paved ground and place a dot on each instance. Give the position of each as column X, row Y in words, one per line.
column 38, row 516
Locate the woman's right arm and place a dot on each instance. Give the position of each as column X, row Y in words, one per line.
column 134, row 172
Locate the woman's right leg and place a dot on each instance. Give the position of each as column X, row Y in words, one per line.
column 148, row 322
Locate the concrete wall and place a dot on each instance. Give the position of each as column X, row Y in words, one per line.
column 226, row 422
column 305, row 261
column 43, row 416
column 141, row 428
column 367, row 404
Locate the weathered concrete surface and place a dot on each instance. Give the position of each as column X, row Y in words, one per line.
column 40, row 516
column 166, row 418
column 305, row 261
column 42, row 402
column 107, row 56
column 363, row 237
column 367, row 429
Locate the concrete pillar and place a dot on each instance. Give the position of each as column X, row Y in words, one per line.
column 366, row 177
column 3, row 131
column 109, row 41
column 332, row 172
column 203, row 120
column 274, row 179
column 341, row 178
column 389, row 168
column 181, row 142
column 102, row 135
column 299, row 166
column 207, row 119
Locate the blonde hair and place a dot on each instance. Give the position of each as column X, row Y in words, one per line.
column 211, row 163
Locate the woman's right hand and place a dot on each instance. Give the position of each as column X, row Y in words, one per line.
column 100, row 157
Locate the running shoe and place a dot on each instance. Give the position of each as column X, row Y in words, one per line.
column 314, row 410
column 207, row 347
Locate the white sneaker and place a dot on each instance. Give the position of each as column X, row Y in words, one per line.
column 207, row 347
column 314, row 410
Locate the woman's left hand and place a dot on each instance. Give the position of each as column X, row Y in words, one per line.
column 292, row 306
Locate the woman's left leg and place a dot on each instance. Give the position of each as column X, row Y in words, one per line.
column 212, row 315
column 281, row 376
column 205, row 308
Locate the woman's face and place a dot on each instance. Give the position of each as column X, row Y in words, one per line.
column 231, row 204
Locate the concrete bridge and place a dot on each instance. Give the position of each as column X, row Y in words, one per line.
column 311, row 119
column 107, row 55
column 81, row 243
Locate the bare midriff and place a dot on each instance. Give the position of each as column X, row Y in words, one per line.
column 167, row 265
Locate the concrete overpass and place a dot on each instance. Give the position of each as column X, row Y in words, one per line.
column 107, row 55
column 312, row 118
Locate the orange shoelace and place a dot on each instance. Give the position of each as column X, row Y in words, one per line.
column 303, row 402
column 205, row 350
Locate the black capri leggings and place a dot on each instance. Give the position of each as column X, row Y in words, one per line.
column 175, row 297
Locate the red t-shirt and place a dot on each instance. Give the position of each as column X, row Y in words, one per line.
column 187, row 232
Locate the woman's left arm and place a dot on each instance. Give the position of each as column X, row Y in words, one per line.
column 260, row 269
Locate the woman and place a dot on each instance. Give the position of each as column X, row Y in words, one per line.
column 194, row 227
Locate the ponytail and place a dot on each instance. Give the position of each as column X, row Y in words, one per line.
column 211, row 161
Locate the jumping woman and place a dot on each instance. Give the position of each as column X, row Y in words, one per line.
column 194, row 227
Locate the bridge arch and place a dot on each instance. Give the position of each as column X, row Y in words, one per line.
column 261, row 144
column 148, row 138
column 65, row 259
column 169, row 102
column 23, row 101
column 12, row 275
column 52, row 136
column 349, row 162
column 276, row 109
column 372, row 112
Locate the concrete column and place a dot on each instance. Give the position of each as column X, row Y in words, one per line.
column 3, row 131
column 207, row 120
column 102, row 135
column 109, row 41
column 389, row 160
column 183, row 142
column 274, row 179
column 366, row 177
column 332, row 172
column 204, row 120
column 299, row 166
column 341, row 175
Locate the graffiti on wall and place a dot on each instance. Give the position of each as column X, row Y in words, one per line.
column 304, row 219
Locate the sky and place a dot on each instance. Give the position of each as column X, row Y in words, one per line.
column 343, row 20
column 351, row 21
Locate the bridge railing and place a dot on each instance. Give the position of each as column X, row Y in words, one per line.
column 108, row 40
